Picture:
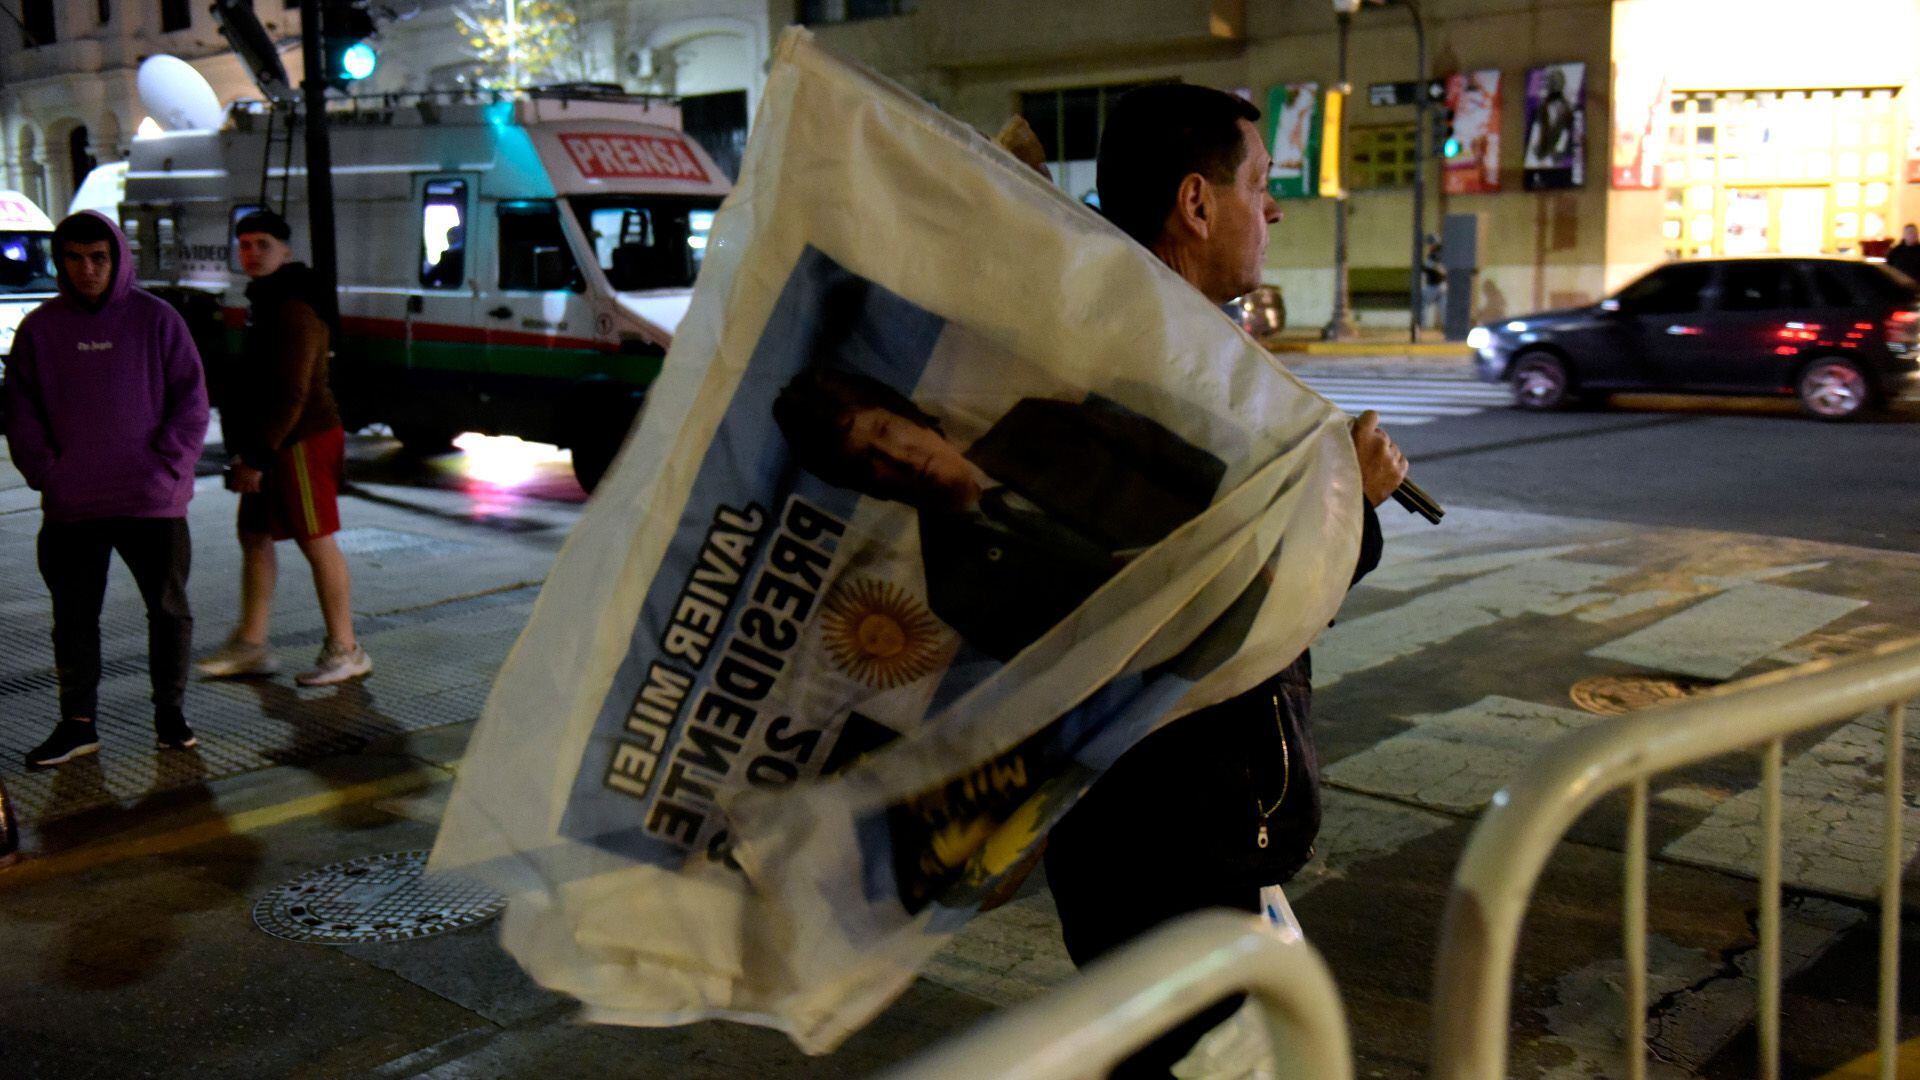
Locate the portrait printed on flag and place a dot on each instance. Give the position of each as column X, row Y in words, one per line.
column 1016, row 528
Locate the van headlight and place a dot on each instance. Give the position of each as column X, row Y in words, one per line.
column 1479, row 338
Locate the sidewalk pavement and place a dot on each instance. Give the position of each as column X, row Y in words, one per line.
column 438, row 597
column 1374, row 354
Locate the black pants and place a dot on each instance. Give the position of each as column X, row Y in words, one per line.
column 73, row 560
column 1172, row 827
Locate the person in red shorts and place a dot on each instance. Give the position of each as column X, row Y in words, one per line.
column 287, row 454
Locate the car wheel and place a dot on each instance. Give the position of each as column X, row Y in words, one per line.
column 1833, row 388
column 1541, row 384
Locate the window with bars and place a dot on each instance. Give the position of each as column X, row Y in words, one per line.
column 1383, row 156
column 816, row 12
column 36, row 23
column 1069, row 121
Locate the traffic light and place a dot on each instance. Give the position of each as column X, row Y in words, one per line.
column 345, row 26
column 1443, row 134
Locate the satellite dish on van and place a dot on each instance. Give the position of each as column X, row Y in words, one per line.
column 177, row 96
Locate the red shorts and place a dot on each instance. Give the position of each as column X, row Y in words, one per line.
column 299, row 497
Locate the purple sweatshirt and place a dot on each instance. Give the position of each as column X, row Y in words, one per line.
column 106, row 407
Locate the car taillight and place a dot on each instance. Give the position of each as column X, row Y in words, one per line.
column 1904, row 325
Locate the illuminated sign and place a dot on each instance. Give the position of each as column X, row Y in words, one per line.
column 628, row 156
column 18, row 212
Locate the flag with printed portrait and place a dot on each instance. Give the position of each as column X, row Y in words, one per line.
column 949, row 493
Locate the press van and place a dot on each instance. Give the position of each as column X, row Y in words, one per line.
column 514, row 266
column 26, row 264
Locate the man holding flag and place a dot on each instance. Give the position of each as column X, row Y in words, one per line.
column 801, row 698
column 1211, row 807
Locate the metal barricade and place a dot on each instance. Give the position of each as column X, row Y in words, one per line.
column 1116, row 1006
column 1526, row 820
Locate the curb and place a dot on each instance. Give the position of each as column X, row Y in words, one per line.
column 1381, row 349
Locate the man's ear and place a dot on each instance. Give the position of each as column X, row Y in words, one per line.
column 1193, row 206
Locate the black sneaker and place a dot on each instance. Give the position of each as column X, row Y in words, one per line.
column 72, row 739
column 173, row 733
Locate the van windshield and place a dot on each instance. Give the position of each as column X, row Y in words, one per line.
column 26, row 263
column 646, row 242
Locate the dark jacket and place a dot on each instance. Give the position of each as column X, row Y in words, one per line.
column 1906, row 259
column 106, row 404
column 279, row 393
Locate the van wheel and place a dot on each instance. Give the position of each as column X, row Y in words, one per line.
column 1833, row 388
column 1541, row 384
column 424, row 440
column 594, row 451
column 593, row 456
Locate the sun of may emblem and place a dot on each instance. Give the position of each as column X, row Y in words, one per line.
column 879, row 634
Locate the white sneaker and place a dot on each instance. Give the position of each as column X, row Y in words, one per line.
column 238, row 659
column 336, row 665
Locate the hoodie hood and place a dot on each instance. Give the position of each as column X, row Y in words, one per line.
column 123, row 269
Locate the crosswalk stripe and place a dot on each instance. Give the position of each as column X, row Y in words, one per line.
column 1408, row 402
column 1422, row 386
column 1490, row 394
column 1352, row 402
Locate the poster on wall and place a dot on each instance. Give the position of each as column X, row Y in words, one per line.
column 1555, row 152
column 1296, row 110
column 1474, row 99
column 1913, row 146
column 1639, row 138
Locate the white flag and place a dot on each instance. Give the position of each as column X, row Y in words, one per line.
column 948, row 494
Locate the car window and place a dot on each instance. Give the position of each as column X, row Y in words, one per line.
column 1831, row 287
column 1670, row 290
column 1858, row 285
column 1762, row 287
column 1879, row 284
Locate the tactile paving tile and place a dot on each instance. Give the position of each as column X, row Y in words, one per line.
column 424, row 676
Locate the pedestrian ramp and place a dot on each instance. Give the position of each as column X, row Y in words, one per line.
column 1113, row 1008
column 1407, row 401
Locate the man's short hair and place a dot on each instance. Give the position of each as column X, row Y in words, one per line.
column 264, row 221
column 1156, row 136
column 814, row 412
column 82, row 228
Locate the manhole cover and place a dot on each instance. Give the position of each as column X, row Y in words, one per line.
column 377, row 898
column 1611, row 695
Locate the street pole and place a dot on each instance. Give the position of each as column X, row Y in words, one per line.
column 313, row 83
column 513, row 45
column 1340, row 327
column 1415, row 293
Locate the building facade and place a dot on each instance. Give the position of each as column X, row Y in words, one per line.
column 1596, row 137
column 67, row 74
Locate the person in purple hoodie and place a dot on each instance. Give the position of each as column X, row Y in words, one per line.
column 106, row 410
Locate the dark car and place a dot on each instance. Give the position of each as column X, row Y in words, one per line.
column 1839, row 335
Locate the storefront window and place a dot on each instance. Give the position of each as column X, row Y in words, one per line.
column 1784, row 171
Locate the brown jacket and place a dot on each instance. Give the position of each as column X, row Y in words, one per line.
column 280, row 395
